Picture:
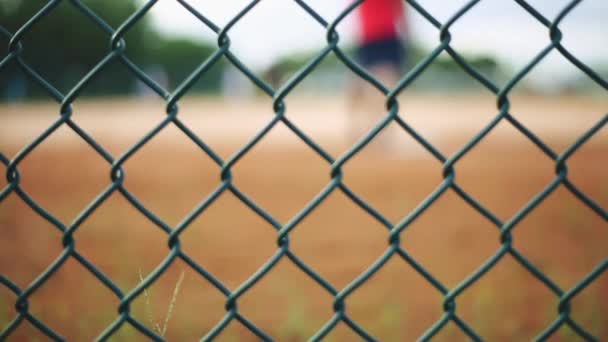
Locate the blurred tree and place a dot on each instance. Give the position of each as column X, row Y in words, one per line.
column 444, row 68
column 179, row 57
column 67, row 35
column 65, row 44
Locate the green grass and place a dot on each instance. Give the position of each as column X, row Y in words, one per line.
column 149, row 311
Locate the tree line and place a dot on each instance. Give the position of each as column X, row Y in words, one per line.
column 65, row 44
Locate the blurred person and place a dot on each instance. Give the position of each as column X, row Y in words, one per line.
column 381, row 50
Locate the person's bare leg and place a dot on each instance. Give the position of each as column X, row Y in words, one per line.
column 368, row 105
column 389, row 75
column 356, row 111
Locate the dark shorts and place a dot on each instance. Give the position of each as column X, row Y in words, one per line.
column 382, row 52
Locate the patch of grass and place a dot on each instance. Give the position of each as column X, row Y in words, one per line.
column 483, row 307
column 297, row 325
column 156, row 326
column 566, row 334
column 392, row 319
column 126, row 333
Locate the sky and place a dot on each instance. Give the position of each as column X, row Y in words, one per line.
column 501, row 28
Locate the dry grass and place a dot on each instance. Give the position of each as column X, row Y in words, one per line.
column 562, row 237
column 150, row 314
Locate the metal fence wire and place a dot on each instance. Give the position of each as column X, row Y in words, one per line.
column 116, row 54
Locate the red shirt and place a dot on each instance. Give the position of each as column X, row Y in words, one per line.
column 379, row 19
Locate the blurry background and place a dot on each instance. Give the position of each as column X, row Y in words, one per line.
column 496, row 36
column 170, row 175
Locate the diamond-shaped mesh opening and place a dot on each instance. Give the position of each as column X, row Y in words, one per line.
column 509, row 294
column 521, row 172
column 115, row 224
column 227, row 122
column 383, row 305
column 575, row 245
column 225, row 222
column 339, row 240
column 194, row 294
column 24, row 231
column 394, row 163
column 68, row 294
column 490, row 17
column 157, row 175
column 459, row 234
column 263, row 18
column 330, row 87
column 45, row 171
column 300, row 306
column 166, row 305
column 268, row 172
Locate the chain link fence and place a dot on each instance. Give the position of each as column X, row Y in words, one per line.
column 394, row 230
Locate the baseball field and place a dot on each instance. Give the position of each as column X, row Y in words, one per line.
column 170, row 176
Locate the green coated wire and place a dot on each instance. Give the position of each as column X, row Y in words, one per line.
column 396, row 231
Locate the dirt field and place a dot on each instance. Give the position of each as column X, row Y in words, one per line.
column 170, row 176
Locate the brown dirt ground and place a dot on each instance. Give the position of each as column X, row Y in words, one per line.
column 170, row 176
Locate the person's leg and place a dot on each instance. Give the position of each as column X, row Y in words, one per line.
column 388, row 74
column 365, row 108
column 367, row 104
